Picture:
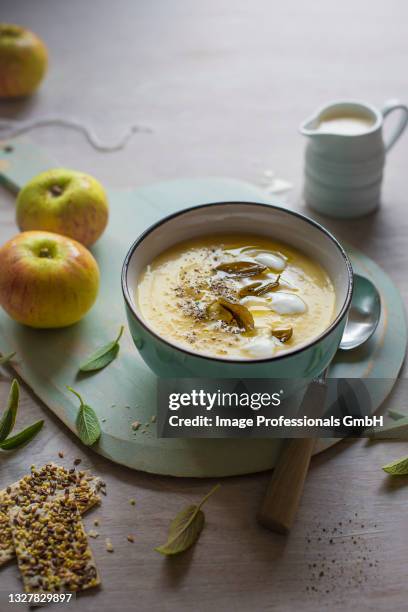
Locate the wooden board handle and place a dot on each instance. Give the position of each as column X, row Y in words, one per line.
column 283, row 494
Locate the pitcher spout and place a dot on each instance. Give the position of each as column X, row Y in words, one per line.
column 310, row 126
column 342, row 119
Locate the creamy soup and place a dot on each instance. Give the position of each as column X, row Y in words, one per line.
column 234, row 296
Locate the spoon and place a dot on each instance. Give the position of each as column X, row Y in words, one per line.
column 364, row 314
column 285, row 488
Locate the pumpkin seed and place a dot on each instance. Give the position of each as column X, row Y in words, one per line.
column 242, row 268
column 218, row 312
column 259, row 288
column 283, row 333
column 240, row 313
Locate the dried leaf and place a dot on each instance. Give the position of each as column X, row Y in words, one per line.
column 9, row 418
column 242, row 268
column 397, row 468
column 5, row 359
column 185, row 528
column 23, row 437
column 103, row 356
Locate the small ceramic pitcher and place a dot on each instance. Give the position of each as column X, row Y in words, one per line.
column 344, row 161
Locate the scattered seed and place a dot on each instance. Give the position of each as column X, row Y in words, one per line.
column 130, row 538
column 153, row 419
column 93, row 534
column 136, row 425
column 77, row 461
column 132, row 502
column 109, row 546
column 61, row 455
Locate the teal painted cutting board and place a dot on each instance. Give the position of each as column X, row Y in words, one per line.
column 125, row 391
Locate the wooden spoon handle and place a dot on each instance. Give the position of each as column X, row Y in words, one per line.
column 283, row 494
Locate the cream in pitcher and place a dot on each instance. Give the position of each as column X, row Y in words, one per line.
column 345, row 157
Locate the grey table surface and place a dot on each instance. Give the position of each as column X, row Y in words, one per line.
column 224, row 85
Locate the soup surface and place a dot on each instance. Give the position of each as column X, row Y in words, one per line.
column 235, row 296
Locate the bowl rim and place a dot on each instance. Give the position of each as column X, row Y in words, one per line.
column 343, row 311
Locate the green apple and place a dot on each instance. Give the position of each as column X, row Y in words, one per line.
column 65, row 202
column 47, row 280
column 23, row 61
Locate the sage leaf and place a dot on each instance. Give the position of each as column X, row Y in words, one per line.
column 185, row 529
column 397, row 430
column 23, row 437
column 9, row 418
column 397, row 468
column 87, row 422
column 5, row 359
column 394, row 414
column 103, row 356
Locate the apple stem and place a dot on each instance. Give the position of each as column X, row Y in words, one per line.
column 44, row 252
column 56, row 190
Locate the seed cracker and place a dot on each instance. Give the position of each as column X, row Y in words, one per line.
column 43, row 485
column 52, row 549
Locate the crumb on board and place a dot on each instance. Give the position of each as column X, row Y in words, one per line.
column 93, row 533
column 132, row 502
column 136, row 425
column 130, row 538
column 153, row 419
column 109, row 545
column 61, row 455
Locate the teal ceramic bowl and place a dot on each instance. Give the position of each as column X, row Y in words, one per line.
column 167, row 359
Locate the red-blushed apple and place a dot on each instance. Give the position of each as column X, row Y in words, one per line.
column 23, row 61
column 66, row 202
column 47, row 280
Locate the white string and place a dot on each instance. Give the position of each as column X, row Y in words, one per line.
column 16, row 127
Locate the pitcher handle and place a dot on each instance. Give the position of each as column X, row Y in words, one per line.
column 389, row 107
